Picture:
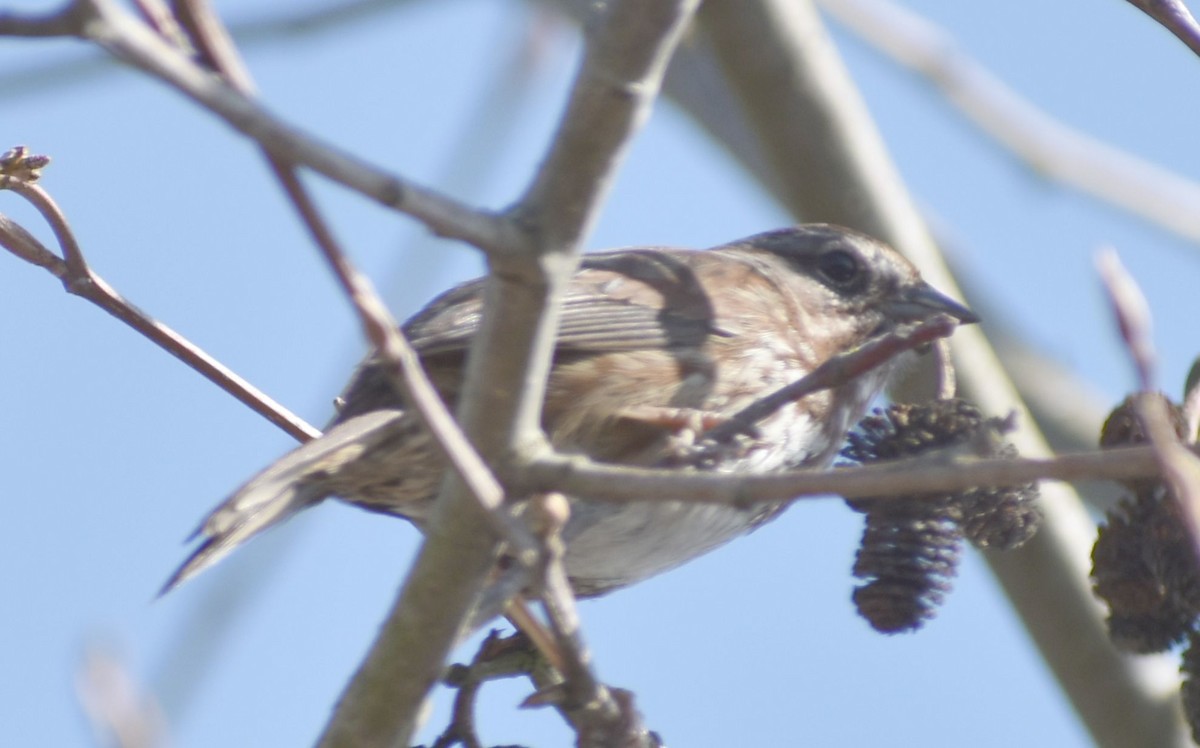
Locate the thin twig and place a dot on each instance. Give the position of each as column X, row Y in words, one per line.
column 947, row 379
column 835, row 372
column 125, row 37
column 78, row 279
column 1180, row 467
column 64, row 22
column 158, row 16
column 289, row 24
column 1175, row 17
column 597, row 717
column 1132, row 314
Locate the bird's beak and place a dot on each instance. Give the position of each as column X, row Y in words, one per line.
column 922, row 301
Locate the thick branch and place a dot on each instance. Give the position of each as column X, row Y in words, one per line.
column 509, row 362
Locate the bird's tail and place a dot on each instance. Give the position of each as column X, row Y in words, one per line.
column 298, row 480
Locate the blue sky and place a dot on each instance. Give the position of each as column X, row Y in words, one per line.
column 114, row 451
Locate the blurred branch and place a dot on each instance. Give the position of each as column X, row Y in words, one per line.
column 120, row 713
column 1067, row 408
column 816, row 128
column 1048, row 146
column 289, row 25
column 1175, row 17
column 1131, row 312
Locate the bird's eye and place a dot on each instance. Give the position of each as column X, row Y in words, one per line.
column 839, row 267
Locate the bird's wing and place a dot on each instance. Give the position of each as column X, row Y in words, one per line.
column 621, row 301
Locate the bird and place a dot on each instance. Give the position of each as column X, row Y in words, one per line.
column 654, row 345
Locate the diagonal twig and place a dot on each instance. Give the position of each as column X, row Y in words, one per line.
column 79, row 279
column 837, row 371
column 1132, row 314
column 1174, row 16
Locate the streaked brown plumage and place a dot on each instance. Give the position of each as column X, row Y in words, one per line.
column 652, row 340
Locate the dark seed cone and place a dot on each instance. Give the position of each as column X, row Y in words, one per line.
column 1000, row 518
column 1144, row 565
column 1003, row 521
column 1190, row 667
column 909, row 554
column 1123, row 428
column 1144, row 568
column 910, row 547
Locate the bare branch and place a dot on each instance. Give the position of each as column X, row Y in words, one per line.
column 836, row 371
column 78, row 279
column 65, row 22
column 125, row 37
column 289, row 24
column 598, row 718
column 1180, row 467
column 1132, row 314
column 1175, row 17
column 1048, row 146
column 121, row 713
column 596, row 481
column 947, row 378
column 509, row 361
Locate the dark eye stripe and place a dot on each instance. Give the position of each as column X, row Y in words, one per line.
column 839, row 267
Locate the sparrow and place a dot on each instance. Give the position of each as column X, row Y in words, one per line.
column 655, row 344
